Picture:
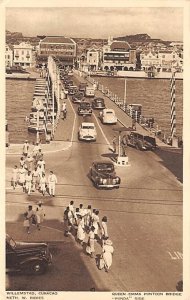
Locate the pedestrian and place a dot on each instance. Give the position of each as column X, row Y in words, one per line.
column 25, row 148
column 40, row 214
column 90, row 245
column 29, row 215
column 15, row 176
column 22, row 174
column 22, row 162
column 52, row 180
column 80, row 230
column 107, row 253
column 43, row 183
column 71, row 206
column 35, row 179
column 104, row 229
column 28, row 182
column 41, row 163
column 29, row 162
column 96, row 224
column 64, row 110
column 87, row 218
column 114, row 142
column 39, row 155
column 67, row 224
column 40, row 172
column 35, row 150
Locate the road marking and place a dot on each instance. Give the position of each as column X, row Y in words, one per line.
column 72, row 135
column 175, row 255
column 101, row 130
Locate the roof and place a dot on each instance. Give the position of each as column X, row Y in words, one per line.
column 87, row 124
column 57, row 40
column 120, row 45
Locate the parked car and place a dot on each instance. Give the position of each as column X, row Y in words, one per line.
column 73, row 89
column 107, row 116
column 78, row 97
column 98, row 103
column 87, row 132
column 89, row 91
column 140, row 141
column 84, row 108
column 82, row 86
column 103, row 175
column 30, row 258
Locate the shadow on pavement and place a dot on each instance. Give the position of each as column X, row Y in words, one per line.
column 71, row 269
column 172, row 159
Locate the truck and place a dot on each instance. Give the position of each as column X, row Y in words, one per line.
column 89, row 91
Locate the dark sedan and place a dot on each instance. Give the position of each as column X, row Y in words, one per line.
column 98, row 103
column 103, row 175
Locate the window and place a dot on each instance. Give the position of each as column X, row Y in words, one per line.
column 22, row 52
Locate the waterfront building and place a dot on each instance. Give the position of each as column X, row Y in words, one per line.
column 161, row 60
column 61, row 47
column 23, row 55
column 118, row 55
column 8, row 55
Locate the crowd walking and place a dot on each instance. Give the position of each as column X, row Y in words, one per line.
column 31, row 173
column 84, row 224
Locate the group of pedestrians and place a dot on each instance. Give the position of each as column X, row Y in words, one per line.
column 34, row 216
column 85, row 225
column 31, row 173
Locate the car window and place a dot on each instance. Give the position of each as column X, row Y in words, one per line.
column 109, row 112
column 87, row 127
column 105, row 167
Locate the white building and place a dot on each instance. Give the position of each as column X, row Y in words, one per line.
column 118, row 55
column 93, row 59
column 23, row 55
column 8, row 56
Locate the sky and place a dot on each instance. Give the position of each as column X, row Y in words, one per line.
column 97, row 22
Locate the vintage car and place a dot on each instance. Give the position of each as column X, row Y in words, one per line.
column 103, row 175
column 140, row 141
column 29, row 258
column 78, row 97
column 98, row 103
column 107, row 116
column 82, row 86
column 73, row 89
column 87, row 132
column 84, row 109
column 89, row 91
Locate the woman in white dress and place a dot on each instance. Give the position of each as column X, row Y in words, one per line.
column 22, row 175
column 90, row 246
column 105, row 260
column 80, row 230
column 43, row 183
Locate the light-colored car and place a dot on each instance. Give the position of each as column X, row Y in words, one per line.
column 87, row 132
column 107, row 116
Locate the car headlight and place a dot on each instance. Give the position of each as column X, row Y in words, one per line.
column 117, row 179
column 100, row 180
column 104, row 181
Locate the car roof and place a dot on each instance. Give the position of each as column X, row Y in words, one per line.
column 108, row 109
column 87, row 124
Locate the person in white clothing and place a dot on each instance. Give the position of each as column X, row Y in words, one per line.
column 28, row 182
column 52, row 180
column 41, row 163
column 25, row 148
column 104, row 229
column 14, row 178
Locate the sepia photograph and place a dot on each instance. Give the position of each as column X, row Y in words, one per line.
column 94, row 156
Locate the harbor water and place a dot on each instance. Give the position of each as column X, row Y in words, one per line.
column 19, row 95
column 153, row 95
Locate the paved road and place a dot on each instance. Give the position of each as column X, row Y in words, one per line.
column 144, row 220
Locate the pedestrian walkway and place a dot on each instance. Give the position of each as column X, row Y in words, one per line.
column 64, row 128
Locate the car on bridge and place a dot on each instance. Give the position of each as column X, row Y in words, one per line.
column 107, row 116
column 87, row 132
column 29, row 258
column 84, row 109
column 73, row 89
column 78, row 97
column 140, row 141
column 103, row 175
column 98, row 103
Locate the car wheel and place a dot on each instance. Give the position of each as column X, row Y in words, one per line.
column 36, row 267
